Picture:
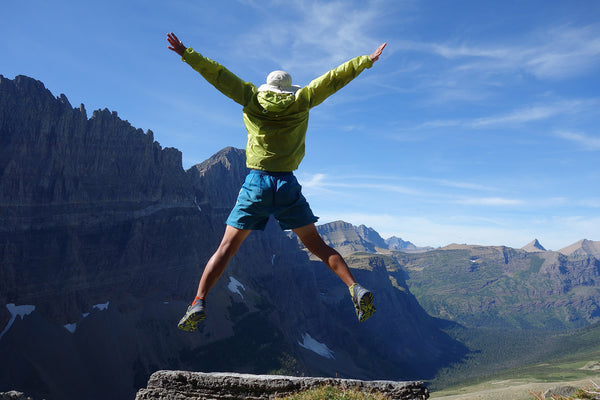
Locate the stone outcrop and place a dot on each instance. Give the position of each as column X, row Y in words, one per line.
column 14, row 395
column 183, row 385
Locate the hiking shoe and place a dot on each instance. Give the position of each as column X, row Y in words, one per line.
column 194, row 314
column 363, row 302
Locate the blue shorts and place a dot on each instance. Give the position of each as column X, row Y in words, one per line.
column 270, row 193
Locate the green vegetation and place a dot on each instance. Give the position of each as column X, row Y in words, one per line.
column 335, row 393
column 501, row 287
column 524, row 355
column 589, row 392
column 523, row 316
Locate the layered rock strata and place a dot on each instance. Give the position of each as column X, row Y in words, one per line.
column 181, row 385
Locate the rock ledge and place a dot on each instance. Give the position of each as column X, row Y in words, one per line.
column 185, row 385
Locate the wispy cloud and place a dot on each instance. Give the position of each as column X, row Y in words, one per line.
column 327, row 183
column 523, row 115
column 586, row 141
column 490, row 201
column 315, row 35
column 527, row 114
column 551, row 54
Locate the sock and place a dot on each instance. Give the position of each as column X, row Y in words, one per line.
column 202, row 299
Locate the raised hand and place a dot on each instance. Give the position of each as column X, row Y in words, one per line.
column 175, row 44
column 377, row 53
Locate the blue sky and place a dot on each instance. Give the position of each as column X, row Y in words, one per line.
column 479, row 124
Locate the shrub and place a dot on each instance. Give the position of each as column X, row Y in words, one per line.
column 335, row 393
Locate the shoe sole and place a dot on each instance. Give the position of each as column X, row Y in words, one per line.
column 191, row 322
column 366, row 307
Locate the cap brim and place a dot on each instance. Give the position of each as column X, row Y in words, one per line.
column 278, row 89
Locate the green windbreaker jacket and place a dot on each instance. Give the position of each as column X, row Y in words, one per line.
column 276, row 122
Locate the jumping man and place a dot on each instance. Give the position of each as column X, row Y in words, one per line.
column 276, row 118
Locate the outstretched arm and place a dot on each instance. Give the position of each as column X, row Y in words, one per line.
column 216, row 74
column 375, row 56
column 327, row 84
column 175, row 44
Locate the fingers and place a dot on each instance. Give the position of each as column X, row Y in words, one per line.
column 175, row 44
column 171, row 36
column 380, row 49
column 172, row 39
column 377, row 53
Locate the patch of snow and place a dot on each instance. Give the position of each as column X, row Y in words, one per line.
column 101, row 307
column 309, row 343
column 235, row 285
column 165, row 302
column 85, row 314
column 16, row 311
column 273, row 259
column 71, row 327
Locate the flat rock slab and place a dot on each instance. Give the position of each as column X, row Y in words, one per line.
column 185, row 385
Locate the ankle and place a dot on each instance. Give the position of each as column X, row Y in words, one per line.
column 197, row 299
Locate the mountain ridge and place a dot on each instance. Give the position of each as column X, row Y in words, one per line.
column 115, row 265
column 348, row 239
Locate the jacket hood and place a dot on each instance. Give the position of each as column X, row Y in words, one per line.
column 275, row 102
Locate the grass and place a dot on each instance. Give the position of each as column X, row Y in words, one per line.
column 520, row 357
column 334, row 393
column 588, row 392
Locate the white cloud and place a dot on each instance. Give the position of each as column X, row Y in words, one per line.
column 588, row 142
column 323, row 183
column 438, row 231
column 528, row 114
column 523, row 115
column 552, row 54
column 490, row 201
column 312, row 36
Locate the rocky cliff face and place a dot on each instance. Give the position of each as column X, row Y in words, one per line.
column 53, row 154
column 496, row 286
column 103, row 237
column 348, row 239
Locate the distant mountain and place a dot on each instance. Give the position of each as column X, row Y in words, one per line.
column 497, row 286
column 395, row 243
column 533, row 246
column 103, row 237
column 491, row 286
column 347, row 239
column 583, row 247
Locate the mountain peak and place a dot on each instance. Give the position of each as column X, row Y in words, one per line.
column 584, row 246
column 533, row 246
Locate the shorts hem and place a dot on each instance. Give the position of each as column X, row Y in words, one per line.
column 287, row 227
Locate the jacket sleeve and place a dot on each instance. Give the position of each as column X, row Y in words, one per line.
column 220, row 77
column 327, row 84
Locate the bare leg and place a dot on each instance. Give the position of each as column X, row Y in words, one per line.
column 232, row 239
column 315, row 244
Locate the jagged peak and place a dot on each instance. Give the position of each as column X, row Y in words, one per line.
column 533, row 246
column 228, row 157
